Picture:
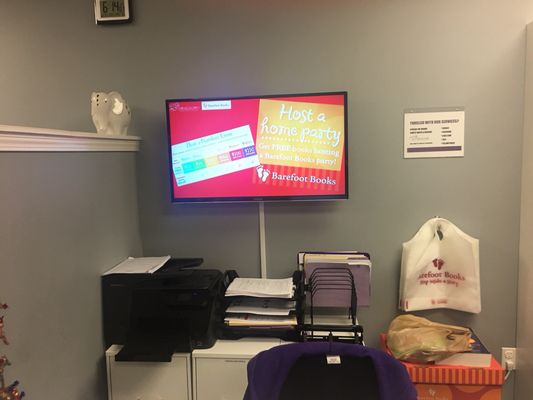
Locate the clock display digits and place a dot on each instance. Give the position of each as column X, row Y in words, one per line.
column 112, row 8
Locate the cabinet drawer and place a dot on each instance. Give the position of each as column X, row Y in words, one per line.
column 220, row 378
column 132, row 380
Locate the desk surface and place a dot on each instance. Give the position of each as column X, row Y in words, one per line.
column 241, row 348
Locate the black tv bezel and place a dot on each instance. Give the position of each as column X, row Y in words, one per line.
column 251, row 199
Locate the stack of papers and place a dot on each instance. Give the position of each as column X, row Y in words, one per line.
column 257, row 287
column 261, row 303
column 140, row 265
column 260, row 320
column 261, row 306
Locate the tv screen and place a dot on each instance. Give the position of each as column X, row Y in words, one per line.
column 273, row 147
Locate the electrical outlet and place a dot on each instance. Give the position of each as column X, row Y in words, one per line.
column 509, row 358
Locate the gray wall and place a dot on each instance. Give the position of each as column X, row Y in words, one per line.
column 389, row 56
column 66, row 218
column 524, row 334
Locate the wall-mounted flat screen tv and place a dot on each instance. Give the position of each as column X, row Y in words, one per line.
column 262, row 148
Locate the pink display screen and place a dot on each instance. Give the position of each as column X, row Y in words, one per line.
column 286, row 147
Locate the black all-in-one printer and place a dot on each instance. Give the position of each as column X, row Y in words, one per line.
column 156, row 314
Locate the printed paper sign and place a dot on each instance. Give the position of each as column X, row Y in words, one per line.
column 214, row 155
column 434, row 134
column 298, row 134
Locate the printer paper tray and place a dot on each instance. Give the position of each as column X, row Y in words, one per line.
column 153, row 347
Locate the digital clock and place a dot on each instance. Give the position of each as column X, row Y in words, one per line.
column 112, row 11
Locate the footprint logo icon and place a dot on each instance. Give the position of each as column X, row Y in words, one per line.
column 438, row 263
column 262, row 173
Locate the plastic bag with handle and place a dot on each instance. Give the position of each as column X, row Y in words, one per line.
column 419, row 340
column 440, row 269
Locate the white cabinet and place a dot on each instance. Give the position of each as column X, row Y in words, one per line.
column 133, row 380
column 219, row 373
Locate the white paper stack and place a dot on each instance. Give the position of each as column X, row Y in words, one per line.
column 259, row 320
column 258, row 287
column 259, row 302
column 261, row 306
column 140, row 265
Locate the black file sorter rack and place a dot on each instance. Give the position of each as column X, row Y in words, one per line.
column 292, row 334
column 331, row 287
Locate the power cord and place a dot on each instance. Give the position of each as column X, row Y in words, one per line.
column 509, row 367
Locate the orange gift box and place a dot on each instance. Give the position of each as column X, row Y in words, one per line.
column 454, row 382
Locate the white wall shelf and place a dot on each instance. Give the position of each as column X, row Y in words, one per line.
column 23, row 138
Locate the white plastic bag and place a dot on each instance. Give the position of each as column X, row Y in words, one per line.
column 440, row 269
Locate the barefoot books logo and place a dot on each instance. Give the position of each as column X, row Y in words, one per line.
column 438, row 263
column 262, row 173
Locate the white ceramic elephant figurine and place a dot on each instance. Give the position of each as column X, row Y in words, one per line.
column 110, row 112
